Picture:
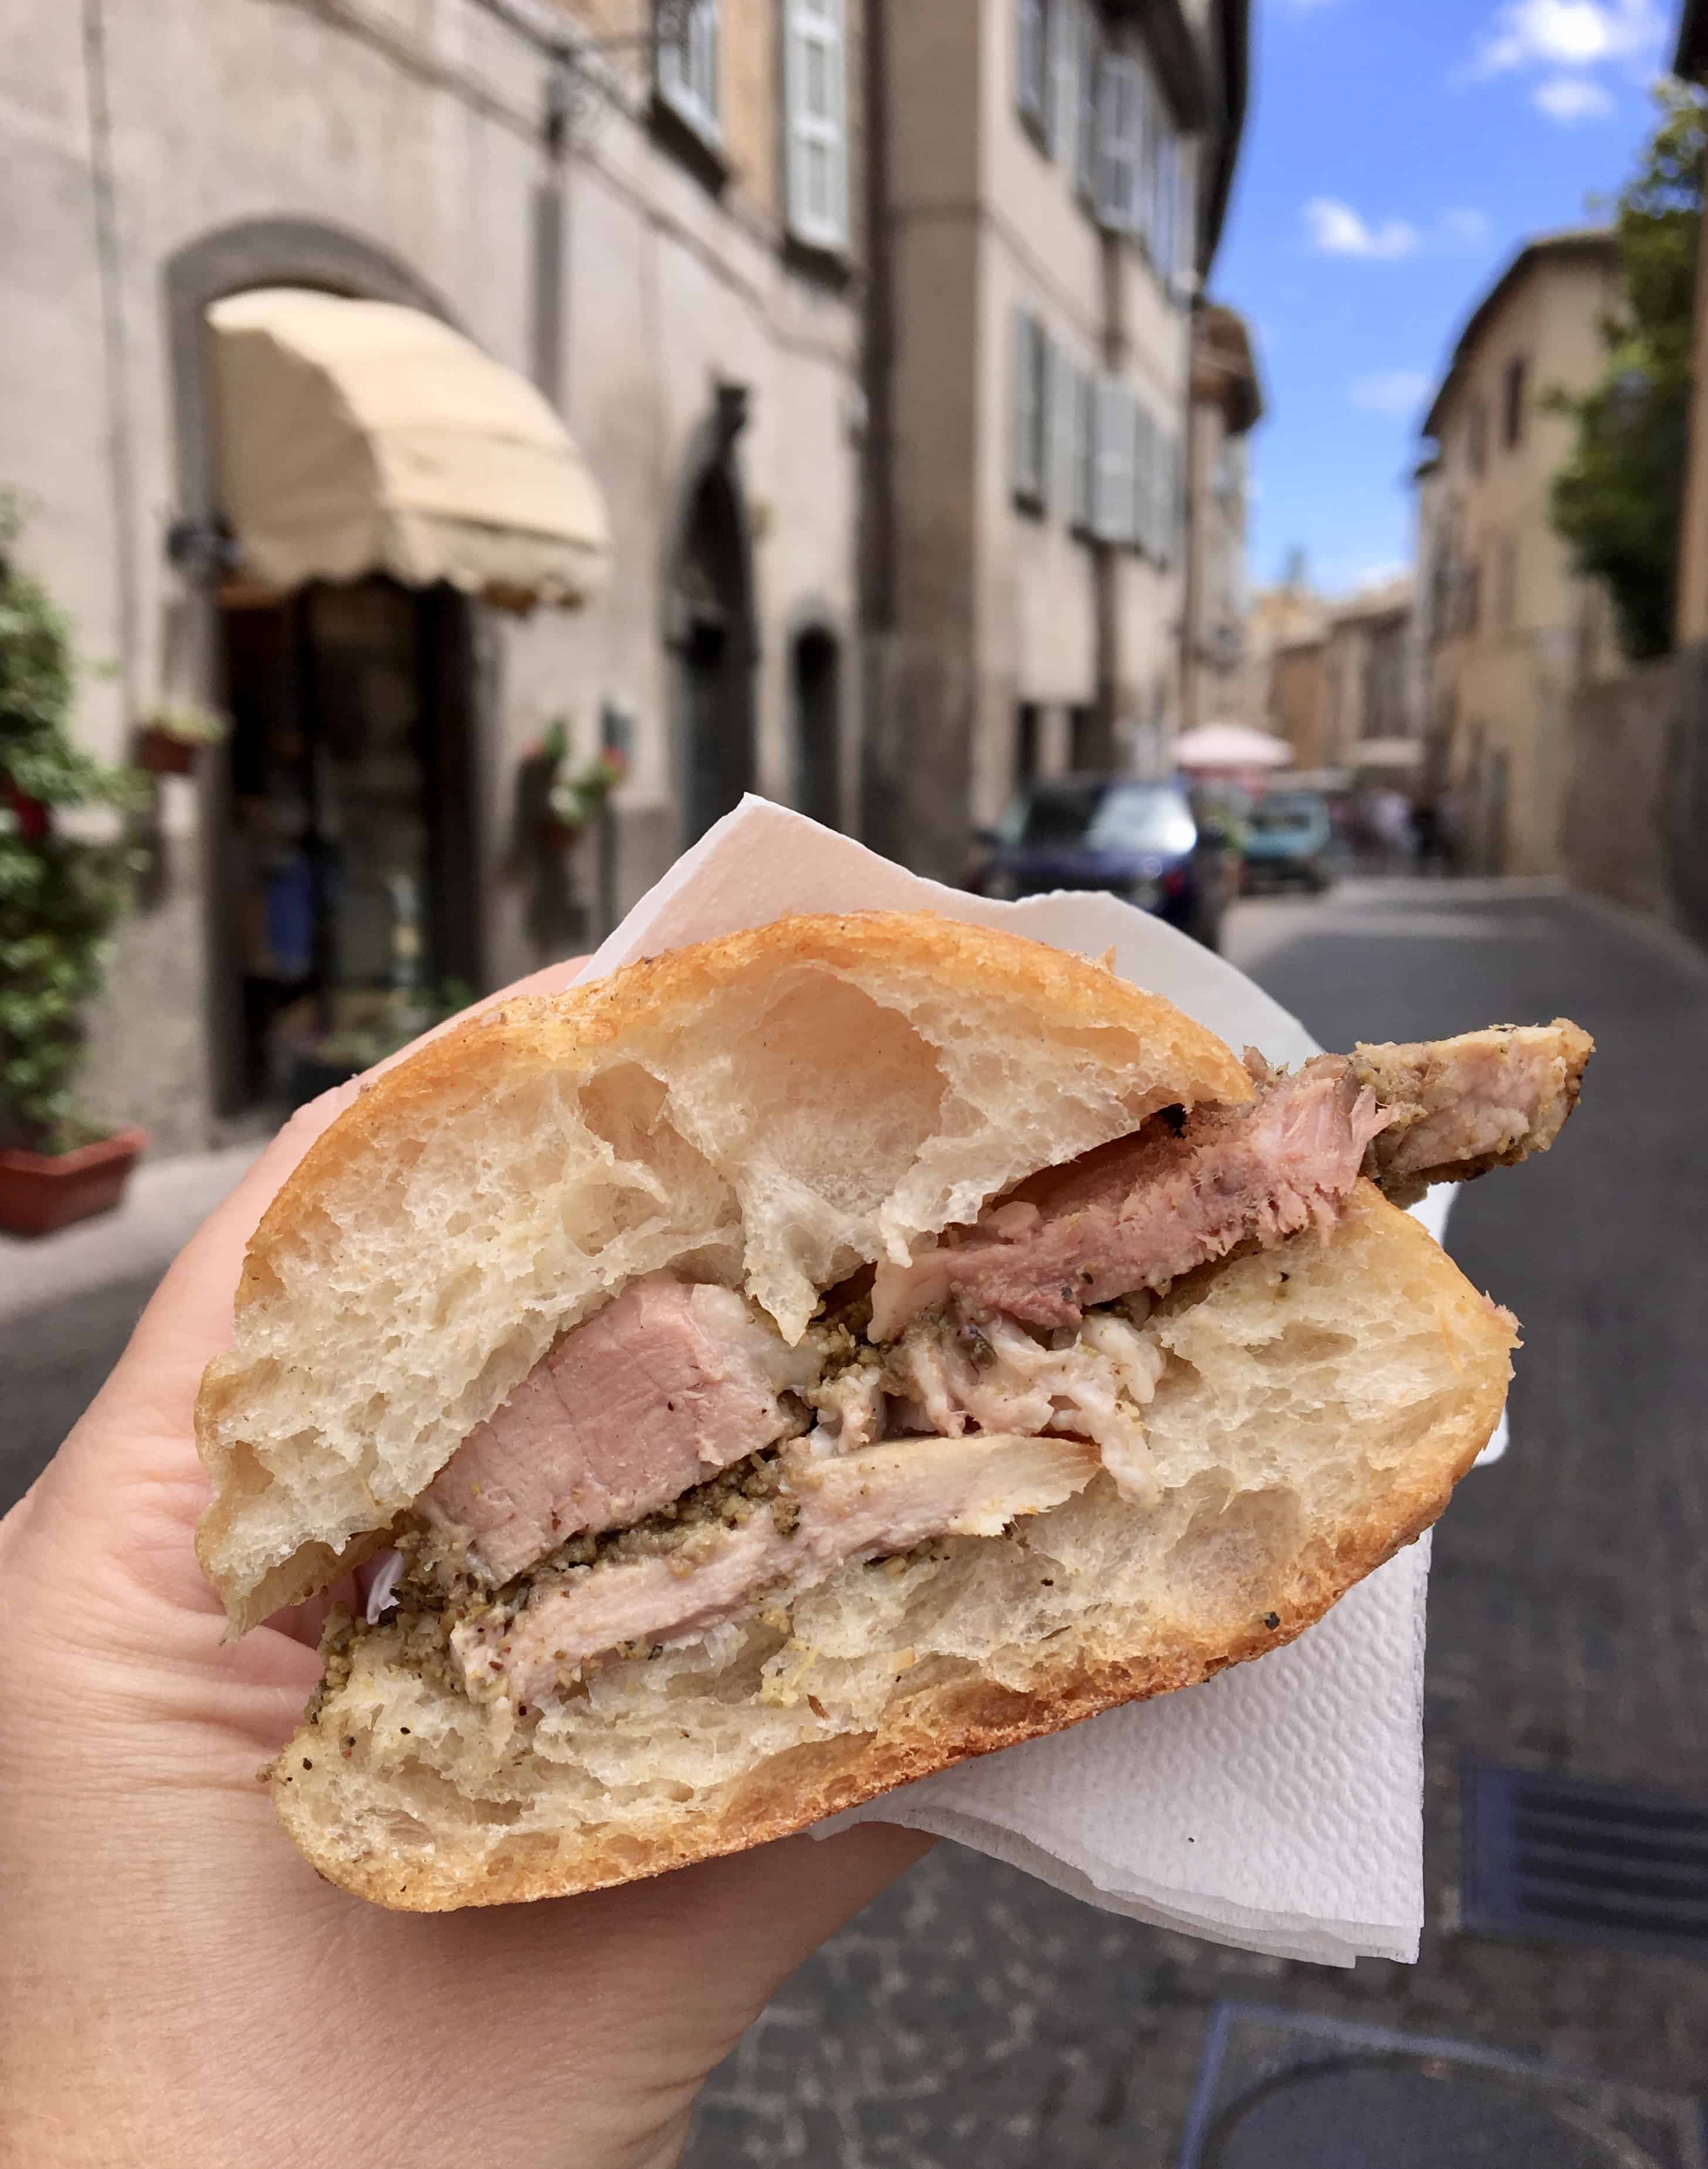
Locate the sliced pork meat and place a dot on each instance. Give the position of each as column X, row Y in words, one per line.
column 660, row 1390
column 1139, row 1213
column 1144, row 1210
column 1457, row 1107
column 831, row 1510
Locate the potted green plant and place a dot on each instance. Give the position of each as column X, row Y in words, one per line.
column 573, row 796
column 174, row 732
column 61, row 890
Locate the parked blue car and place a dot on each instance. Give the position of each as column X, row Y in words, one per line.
column 1140, row 841
column 1287, row 840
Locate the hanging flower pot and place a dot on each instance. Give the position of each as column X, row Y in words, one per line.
column 41, row 1192
column 169, row 736
column 162, row 755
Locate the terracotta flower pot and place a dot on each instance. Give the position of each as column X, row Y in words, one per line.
column 42, row 1191
column 32, row 817
column 162, row 755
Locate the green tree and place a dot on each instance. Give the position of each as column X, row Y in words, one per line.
column 60, row 892
column 1617, row 498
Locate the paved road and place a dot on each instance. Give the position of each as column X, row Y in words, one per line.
column 973, row 2013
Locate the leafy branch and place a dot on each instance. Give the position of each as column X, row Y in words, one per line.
column 60, row 894
column 1617, row 498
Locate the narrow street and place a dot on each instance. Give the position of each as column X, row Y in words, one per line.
column 973, row 2008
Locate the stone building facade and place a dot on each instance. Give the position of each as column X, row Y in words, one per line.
column 1512, row 629
column 1336, row 678
column 658, row 225
column 1048, row 181
column 1369, row 716
column 1227, row 405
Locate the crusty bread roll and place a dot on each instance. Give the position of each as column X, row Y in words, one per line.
column 772, row 1111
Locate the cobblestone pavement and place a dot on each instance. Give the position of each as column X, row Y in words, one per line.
column 973, row 2014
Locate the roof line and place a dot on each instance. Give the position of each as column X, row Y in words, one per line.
column 1590, row 240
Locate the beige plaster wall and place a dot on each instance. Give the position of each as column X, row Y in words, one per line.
column 417, row 129
column 1509, row 684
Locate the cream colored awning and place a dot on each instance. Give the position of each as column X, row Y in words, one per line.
column 360, row 437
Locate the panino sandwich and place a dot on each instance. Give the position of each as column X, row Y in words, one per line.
column 794, row 1363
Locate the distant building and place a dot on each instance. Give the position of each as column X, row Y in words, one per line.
column 1226, row 404
column 648, row 227
column 1334, row 678
column 1369, row 714
column 1276, row 618
column 1048, row 182
column 1297, row 704
column 1512, row 628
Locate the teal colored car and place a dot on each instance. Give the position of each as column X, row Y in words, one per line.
column 1287, row 839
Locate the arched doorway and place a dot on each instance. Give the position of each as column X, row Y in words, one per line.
column 711, row 629
column 815, row 671
column 346, row 860
column 341, row 858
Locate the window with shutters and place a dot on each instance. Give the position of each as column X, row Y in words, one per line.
column 1120, row 141
column 1030, row 416
column 1477, row 438
column 1183, row 271
column 1072, row 28
column 688, row 63
column 817, row 94
column 1170, row 480
column 1112, row 514
column 1512, row 403
column 1147, row 451
column 1061, row 387
column 1083, row 516
column 1031, row 61
column 1163, row 192
column 1087, row 73
column 1151, row 119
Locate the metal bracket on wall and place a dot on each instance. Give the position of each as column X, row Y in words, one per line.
column 581, row 86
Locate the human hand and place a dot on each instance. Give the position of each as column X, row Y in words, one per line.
column 178, row 1987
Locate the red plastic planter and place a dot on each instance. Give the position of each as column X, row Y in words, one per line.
column 42, row 1191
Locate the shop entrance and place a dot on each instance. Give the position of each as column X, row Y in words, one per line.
column 714, row 655
column 348, row 887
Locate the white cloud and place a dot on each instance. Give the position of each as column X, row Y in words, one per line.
column 1571, row 98
column 1390, row 391
column 1337, row 230
column 1466, row 228
column 1567, row 34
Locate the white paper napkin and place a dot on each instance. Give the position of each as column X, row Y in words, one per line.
column 1277, row 1808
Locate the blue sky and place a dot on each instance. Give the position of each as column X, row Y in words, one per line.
column 1397, row 153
